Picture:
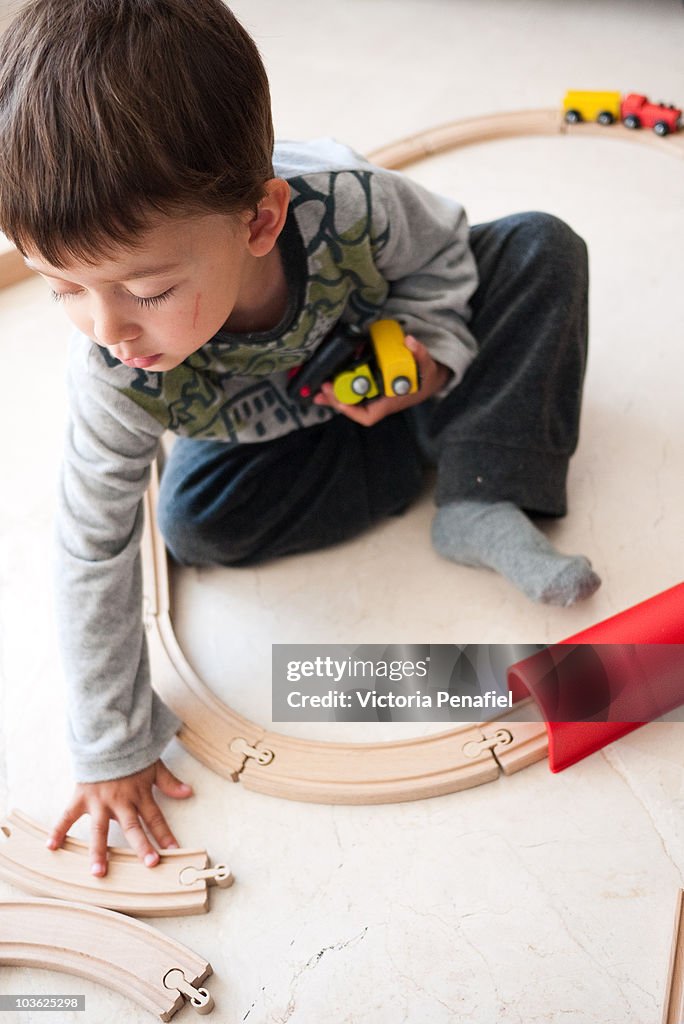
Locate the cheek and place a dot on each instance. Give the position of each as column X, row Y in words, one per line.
column 80, row 318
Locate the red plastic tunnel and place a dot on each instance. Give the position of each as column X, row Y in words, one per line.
column 609, row 679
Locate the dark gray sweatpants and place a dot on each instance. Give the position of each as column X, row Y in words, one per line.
column 506, row 432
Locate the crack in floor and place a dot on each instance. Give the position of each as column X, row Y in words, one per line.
column 612, row 759
column 310, row 964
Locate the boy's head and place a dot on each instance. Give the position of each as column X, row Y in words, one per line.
column 110, row 109
column 124, row 122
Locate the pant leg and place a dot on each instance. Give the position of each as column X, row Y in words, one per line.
column 508, row 430
column 244, row 504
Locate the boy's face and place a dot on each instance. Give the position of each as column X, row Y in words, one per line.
column 155, row 305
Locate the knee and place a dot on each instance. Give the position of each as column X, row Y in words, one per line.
column 195, row 536
column 546, row 240
column 178, row 527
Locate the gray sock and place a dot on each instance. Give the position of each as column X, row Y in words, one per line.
column 500, row 536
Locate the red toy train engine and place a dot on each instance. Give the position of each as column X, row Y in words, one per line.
column 637, row 111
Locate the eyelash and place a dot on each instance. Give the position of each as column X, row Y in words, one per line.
column 149, row 302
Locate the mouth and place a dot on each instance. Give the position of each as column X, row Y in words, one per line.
column 142, row 362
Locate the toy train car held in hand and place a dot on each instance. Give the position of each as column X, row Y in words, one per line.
column 362, row 365
column 634, row 110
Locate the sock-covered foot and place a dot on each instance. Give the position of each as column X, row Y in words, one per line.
column 500, row 536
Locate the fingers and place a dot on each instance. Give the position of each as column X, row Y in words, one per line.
column 99, row 828
column 129, row 801
column 366, row 413
column 169, row 784
column 127, row 816
column 58, row 835
column 146, row 808
column 431, row 377
column 429, row 371
column 157, row 824
column 419, row 351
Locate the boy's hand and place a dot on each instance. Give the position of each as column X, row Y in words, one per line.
column 129, row 801
column 433, row 377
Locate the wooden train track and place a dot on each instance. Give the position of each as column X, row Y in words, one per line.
column 673, row 1011
column 111, row 949
column 177, row 885
column 473, row 130
column 283, row 766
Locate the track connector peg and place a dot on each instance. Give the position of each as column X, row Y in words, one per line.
column 239, row 745
column 200, row 1000
column 501, row 738
column 219, row 874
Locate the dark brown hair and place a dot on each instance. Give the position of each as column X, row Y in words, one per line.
column 112, row 109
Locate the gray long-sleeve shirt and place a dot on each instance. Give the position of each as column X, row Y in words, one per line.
column 359, row 243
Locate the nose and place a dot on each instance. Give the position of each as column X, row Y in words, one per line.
column 111, row 329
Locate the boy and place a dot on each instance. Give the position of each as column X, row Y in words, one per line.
column 136, row 177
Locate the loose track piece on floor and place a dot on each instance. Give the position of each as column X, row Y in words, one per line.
column 112, row 949
column 177, row 885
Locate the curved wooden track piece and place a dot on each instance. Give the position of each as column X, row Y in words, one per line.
column 470, row 131
column 279, row 765
column 111, row 949
column 177, row 885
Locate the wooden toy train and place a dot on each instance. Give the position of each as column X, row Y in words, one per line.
column 362, row 365
column 634, row 110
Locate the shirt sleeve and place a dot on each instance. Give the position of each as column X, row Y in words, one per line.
column 117, row 723
column 422, row 250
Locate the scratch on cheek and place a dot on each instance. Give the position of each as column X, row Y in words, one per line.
column 196, row 313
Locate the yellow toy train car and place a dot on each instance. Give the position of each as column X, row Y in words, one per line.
column 395, row 371
column 360, row 363
column 603, row 107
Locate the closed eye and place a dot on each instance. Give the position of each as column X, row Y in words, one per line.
column 148, row 302
column 60, row 296
column 153, row 301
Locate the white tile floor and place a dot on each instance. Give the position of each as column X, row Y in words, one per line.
column 535, row 899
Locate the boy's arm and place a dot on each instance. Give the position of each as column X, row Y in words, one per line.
column 421, row 247
column 117, row 724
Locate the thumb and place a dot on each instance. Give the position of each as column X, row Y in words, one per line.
column 167, row 782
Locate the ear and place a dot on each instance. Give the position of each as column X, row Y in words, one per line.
column 265, row 225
